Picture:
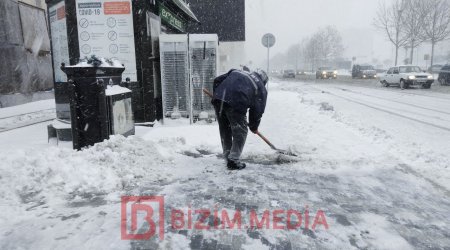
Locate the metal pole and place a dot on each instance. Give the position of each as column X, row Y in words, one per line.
column 268, row 48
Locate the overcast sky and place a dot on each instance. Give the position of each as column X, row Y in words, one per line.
column 292, row 20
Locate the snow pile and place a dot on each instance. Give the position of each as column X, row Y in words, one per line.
column 59, row 174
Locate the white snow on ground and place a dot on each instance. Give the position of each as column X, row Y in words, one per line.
column 413, row 127
column 380, row 178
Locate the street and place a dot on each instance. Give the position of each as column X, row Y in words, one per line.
column 374, row 160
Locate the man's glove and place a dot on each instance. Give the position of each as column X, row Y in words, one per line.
column 254, row 130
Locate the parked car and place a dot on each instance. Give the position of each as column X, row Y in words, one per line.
column 289, row 73
column 326, row 73
column 364, row 71
column 444, row 75
column 435, row 69
column 406, row 76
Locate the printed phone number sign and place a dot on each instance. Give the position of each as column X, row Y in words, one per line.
column 105, row 29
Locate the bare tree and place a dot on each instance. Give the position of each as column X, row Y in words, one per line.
column 324, row 46
column 389, row 19
column 310, row 52
column 331, row 43
column 302, row 53
column 436, row 22
column 321, row 48
column 413, row 23
column 278, row 61
column 293, row 55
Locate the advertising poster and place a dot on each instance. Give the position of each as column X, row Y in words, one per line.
column 123, row 120
column 60, row 47
column 105, row 29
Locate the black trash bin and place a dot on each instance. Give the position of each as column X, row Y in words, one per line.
column 88, row 111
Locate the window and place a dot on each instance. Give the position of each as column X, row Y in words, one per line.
column 410, row 69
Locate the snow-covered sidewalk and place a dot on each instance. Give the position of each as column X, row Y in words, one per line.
column 380, row 179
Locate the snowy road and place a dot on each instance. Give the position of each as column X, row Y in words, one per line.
column 375, row 161
column 26, row 115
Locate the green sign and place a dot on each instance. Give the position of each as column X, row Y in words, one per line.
column 171, row 19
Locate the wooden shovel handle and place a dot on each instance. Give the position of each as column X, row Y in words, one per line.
column 208, row 93
column 266, row 140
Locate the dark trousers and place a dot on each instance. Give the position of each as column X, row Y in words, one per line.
column 233, row 130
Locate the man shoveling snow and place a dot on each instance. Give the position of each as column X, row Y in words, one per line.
column 234, row 93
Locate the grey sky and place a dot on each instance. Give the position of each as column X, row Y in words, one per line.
column 292, row 20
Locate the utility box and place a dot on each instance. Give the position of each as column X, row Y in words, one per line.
column 88, row 106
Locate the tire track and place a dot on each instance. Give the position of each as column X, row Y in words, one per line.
column 402, row 110
column 386, row 99
column 399, row 91
column 374, row 84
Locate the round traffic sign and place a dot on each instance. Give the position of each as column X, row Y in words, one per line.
column 268, row 40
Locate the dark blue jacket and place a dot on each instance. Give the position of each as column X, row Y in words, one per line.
column 242, row 91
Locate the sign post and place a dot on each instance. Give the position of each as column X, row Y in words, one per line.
column 268, row 40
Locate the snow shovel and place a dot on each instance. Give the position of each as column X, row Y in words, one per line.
column 281, row 151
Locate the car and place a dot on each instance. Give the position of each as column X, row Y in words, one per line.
column 326, row 73
column 406, row 76
column 364, row 71
column 444, row 75
column 289, row 73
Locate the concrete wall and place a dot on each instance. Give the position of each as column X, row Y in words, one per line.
column 25, row 60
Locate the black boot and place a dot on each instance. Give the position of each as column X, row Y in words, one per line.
column 235, row 165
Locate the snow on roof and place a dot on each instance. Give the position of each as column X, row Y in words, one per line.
column 116, row 90
column 102, row 62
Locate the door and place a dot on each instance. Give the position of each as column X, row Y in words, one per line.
column 388, row 75
column 395, row 77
